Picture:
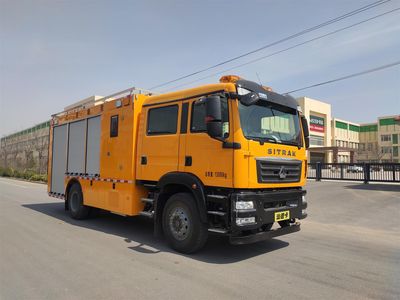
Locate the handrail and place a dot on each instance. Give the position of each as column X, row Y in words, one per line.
column 130, row 90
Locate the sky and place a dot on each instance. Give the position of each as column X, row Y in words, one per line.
column 54, row 53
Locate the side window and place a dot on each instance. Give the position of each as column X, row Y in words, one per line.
column 114, row 126
column 225, row 117
column 162, row 120
column 198, row 120
column 198, row 123
column 184, row 117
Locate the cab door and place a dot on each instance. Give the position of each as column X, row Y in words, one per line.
column 159, row 146
column 206, row 157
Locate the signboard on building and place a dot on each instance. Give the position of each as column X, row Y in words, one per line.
column 317, row 124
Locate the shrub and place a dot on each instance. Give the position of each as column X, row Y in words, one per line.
column 5, row 172
column 38, row 177
column 26, row 174
column 16, row 173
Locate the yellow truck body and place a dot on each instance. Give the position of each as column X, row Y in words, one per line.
column 133, row 154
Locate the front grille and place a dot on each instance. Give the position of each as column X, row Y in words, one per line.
column 281, row 203
column 278, row 170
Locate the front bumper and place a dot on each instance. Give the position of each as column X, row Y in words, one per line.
column 264, row 235
column 266, row 204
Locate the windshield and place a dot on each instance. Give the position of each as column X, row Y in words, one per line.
column 267, row 122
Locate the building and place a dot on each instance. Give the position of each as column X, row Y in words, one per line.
column 26, row 149
column 319, row 118
column 331, row 139
column 346, row 137
column 379, row 142
column 334, row 140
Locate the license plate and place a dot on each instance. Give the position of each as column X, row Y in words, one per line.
column 282, row 215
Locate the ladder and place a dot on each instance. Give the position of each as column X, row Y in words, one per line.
column 97, row 100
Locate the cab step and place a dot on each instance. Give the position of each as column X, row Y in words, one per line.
column 150, row 186
column 147, row 200
column 147, row 214
column 217, row 213
column 218, row 230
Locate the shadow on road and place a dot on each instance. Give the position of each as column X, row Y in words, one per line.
column 375, row 187
column 137, row 232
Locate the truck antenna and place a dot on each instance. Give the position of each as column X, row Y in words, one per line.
column 259, row 80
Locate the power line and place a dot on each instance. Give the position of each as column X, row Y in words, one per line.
column 347, row 76
column 326, row 23
column 289, row 48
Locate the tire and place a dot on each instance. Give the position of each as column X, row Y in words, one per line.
column 77, row 209
column 182, row 226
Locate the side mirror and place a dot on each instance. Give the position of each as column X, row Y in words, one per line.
column 213, row 115
column 306, row 132
column 249, row 98
column 307, row 139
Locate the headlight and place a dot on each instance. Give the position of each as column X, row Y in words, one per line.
column 243, row 91
column 245, row 221
column 244, row 205
column 304, row 203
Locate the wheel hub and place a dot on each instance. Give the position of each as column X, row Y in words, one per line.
column 179, row 223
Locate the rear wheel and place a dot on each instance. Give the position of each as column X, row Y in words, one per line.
column 182, row 225
column 76, row 207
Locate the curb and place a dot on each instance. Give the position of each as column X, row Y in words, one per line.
column 26, row 180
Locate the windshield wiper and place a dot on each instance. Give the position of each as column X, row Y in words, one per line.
column 290, row 143
column 262, row 140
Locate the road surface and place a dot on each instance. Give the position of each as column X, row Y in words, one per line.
column 348, row 248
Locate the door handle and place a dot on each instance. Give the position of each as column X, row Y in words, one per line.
column 188, row 161
column 143, row 160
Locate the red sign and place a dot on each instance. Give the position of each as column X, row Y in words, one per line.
column 318, row 128
column 317, row 124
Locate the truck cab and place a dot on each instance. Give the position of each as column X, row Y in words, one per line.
column 236, row 149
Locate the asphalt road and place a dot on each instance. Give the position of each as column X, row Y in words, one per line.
column 348, row 248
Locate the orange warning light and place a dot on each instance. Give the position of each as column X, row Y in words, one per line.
column 229, row 78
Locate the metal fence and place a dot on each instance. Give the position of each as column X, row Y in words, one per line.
column 366, row 172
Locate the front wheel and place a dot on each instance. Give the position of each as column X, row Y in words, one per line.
column 182, row 225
